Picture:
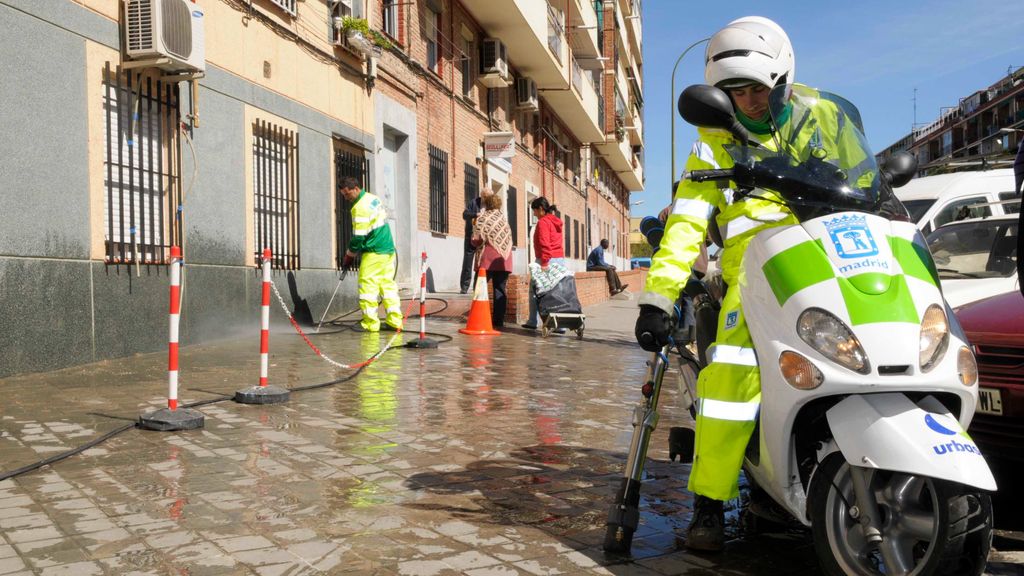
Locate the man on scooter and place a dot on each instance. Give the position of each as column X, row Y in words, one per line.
column 746, row 59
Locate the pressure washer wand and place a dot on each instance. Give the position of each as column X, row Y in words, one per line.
column 344, row 272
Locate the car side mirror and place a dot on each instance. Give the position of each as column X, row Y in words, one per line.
column 899, row 168
column 709, row 107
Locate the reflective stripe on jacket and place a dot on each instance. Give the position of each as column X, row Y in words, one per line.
column 694, row 202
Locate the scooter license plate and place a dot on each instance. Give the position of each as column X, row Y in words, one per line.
column 989, row 401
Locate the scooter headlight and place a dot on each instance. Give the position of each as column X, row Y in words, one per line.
column 967, row 366
column 833, row 339
column 934, row 337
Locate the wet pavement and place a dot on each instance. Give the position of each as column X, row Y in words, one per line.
column 485, row 456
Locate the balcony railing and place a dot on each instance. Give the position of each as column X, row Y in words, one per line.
column 577, row 76
column 556, row 31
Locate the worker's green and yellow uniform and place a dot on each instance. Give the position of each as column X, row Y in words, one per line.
column 729, row 388
column 371, row 236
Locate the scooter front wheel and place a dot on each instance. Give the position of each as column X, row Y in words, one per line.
column 928, row 526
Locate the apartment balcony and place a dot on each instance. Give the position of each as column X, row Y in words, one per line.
column 628, row 33
column 620, row 156
column 636, row 131
column 534, row 31
column 582, row 30
column 628, row 14
column 578, row 106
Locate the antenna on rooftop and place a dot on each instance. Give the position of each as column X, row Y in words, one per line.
column 914, row 125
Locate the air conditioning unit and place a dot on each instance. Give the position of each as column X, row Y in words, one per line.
column 526, row 94
column 494, row 64
column 168, row 30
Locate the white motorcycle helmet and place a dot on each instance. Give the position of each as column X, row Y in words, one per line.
column 749, row 49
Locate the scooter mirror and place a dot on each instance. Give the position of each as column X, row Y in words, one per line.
column 709, row 107
column 899, row 168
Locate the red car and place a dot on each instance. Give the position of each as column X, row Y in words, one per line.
column 995, row 329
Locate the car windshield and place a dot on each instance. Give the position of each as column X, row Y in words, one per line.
column 917, row 208
column 818, row 160
column 977, row 249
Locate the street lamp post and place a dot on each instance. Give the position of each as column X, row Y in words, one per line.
column 673, row 111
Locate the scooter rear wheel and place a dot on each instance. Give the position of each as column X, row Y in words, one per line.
column 929, row 526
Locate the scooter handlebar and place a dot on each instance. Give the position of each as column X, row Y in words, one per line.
column 705, row 175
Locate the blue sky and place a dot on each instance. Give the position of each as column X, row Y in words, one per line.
column 872, row 52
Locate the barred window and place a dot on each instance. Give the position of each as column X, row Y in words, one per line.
column 438, row 189
column 471, row 188
column 142, row 160
column 347, row 162
column 275, row 161
column 513, row 214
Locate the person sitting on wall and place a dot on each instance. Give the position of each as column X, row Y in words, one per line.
column 595, row 262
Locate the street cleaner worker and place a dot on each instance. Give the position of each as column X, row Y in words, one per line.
column 371, row 236
column 746, row 59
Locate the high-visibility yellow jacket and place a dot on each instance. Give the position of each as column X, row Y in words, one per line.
column 694, row 202
column 370, row 230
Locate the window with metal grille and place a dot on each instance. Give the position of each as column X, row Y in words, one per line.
column 513, row 214
column 286, row 5
column 567, row 234
column 275, row 178
column 438, row 189
column 390, row 18
column 347, row 162
column 471, row 189
column 142, row 160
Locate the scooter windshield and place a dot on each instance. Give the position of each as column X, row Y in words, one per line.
column 821, row 162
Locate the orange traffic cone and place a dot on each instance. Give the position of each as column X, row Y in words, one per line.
column 479, row 323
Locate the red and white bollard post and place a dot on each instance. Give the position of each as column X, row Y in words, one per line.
column 262, row 393
column 423, row 342
column 172, row 417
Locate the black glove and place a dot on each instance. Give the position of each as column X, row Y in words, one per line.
column 349, row 262
column 653, row 328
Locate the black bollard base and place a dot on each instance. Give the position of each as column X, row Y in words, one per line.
column 421, row 343
column 262, row 395
column 166, row 420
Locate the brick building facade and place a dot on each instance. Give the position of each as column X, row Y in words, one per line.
column 433, row 73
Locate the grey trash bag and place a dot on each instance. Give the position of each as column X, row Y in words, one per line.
column 560, row 299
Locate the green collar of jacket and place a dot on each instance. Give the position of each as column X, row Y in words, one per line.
column 360, row 197
column 764, row 125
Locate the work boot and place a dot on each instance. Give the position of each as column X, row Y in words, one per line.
column 706, row 532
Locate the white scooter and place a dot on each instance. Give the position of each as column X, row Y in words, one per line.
column 867, row 381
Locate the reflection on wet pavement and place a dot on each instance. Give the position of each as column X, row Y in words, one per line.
column 486, row 456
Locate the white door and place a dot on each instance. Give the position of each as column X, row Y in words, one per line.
column 532, row 193
column 389, row 183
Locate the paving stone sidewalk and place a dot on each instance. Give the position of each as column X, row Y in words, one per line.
column 485, row 456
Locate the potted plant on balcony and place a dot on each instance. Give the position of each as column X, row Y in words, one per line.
column 620, row 130
column 359, row 37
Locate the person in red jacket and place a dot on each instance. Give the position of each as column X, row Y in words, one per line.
column 547, row 247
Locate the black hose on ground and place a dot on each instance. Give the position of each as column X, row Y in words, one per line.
column 96, row 442
column 63, row 455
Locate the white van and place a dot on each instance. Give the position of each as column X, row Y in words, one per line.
column 936, row 200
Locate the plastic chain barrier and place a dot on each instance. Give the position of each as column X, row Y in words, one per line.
column 328, row 359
